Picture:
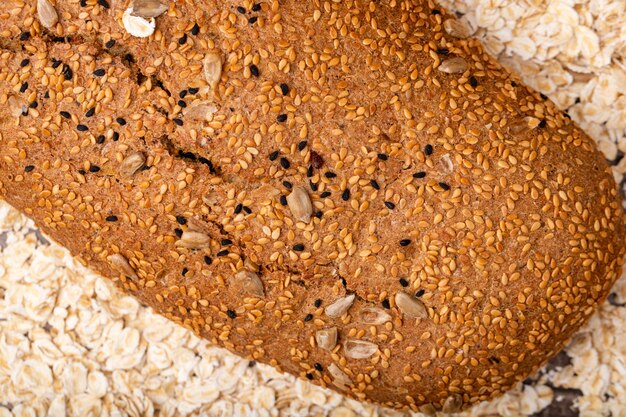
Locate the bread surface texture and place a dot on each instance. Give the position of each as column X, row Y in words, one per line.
column 349, row 191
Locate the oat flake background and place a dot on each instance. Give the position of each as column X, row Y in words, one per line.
column 72, row 344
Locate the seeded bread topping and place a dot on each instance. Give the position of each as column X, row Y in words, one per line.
column 349, row 191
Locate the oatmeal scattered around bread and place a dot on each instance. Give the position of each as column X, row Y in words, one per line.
column 335, row 187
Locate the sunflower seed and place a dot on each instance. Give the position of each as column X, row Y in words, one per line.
column 340, row 378
column 374, row 315
column 359, row 349
column 411, row 306
column 132, row 163
column 212, row 68
column 453, row 404
column 193, row 240
column 457, row 28
column 340, row 306
column 250, row 283
column 326, row 338
column 200, row 110
column 454, row 65
column 121, row 264
column 149, row 8
column 47, row 14
column 300, row 205
column 136, row 25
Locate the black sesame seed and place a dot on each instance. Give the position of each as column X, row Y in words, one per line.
column 419, row 293
column 543, row 96
column 253, row 20
column 231, row 314
column 313, row 186
column 435, row 12
column 309, row 376
column 121, row 121
column 390, row 205
column 345, row 195
column 281, row 118
column 473, row 81
column 284, row 88
column 193, row 90
column 317, row 303
column 238, row 208
column 256, row 7
column 543, row 123
column 181, row 220
column 383, row 156
column 25, row 111
column 309, row 171
column 56, row 63
column 83, row 3
column 178, row 232
column 241, row 9
column 284, row 162
column 33, row 105
column 428, row 149
column 385, row 303
column 274, row 155
column 308, row 317
column 405, row 242
column 298, row 247
column 90, row 112
column 116, row 136
column 195, row 29
column 325, row 194
column 111, row 218
column 24, row 62
column 226, row 242
column 344, row 282
column 182, row 103
column 67, row 72
column 374, row 184
column 183, row 93
column 247, row 209
column 100, row 139
column 404, row 282
column 287, row 185
column 318, row 367
column 47, row 95
column 183, row 39
column 330, row 174
column 82, row 172
column 94, row 168
column 110, row 43
column 104, row 3
column 513, row 84
column 443, row 51
column 82, row 128
column 29, row 168
column 420, row 174
column 318, row 214
column 24, row 87
column 445, row 186
column 178, row 122
column 302, row 145
column 207, row 260
column 99, row 72
column 24, row 36
column 566, row 115
column 254, row 70
column 283, row 200
column 222, row 253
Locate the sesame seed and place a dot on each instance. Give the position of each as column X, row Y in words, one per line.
column 241, row 9
column 299, row 247
column 317, row 302
column 238, row 208
column 419, row 174
column 226, row 242
column 302, row 145
column 281, row 118
column 256, row 7
column 24, row 36
column 330, row 174
column 274, row 155
column 390, row 205
column 178, row 122
column 284, row 88
column 183, row 94
column 222, row 253
column 67, row 72
column 29, row 168
column 82, row 172
column 178, row 232
column 404, row 282
column 443, row 51
column 385, row 303
column 207, row 260
column 111, row 218
column 182, row 103
column 82, row 128
column 24, row 62
column 344, row 282
column 183, row 39
column 181, row 220
column 318, row 214
column 254, row 70
column 195, row 29
column 116, row 136
column 99, row 72
column 65, row 114
column 121, row 121
column 283, row 200
column 313, row 186
column 33, row 105
column 193, row 90
column 110, row 44
column 318, row 367
column 247, row 209
column 473, row 81
column 419, row 293
column 100, row 139
column 309, row 376
column 231, row 314
column 284, row 162
column 428, row 149
column 90, row 112
column 309, row 171
column 374, row 184
column 383, row 156
column 253, row 20
column 56, row 63
column 435, row 12
column 445, row 186
column 94, row 169
column 543, row 123
column 405, row 242
column 345, row 196
column 287, row 185
column 24, row 87
column 308, row 317
column 104, row 3
column 325, row 194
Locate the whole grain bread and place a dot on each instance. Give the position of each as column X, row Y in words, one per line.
column 350, row 191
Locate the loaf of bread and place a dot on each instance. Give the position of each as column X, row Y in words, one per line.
column 350, row 191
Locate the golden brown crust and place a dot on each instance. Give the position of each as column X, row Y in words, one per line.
column 464, row 190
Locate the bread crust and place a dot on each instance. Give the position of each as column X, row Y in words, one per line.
column 430, row 170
